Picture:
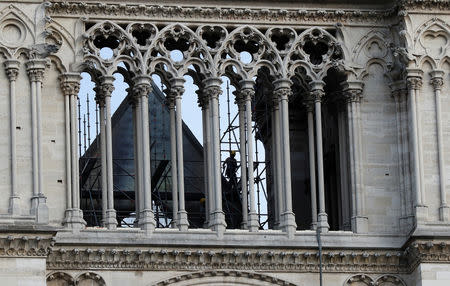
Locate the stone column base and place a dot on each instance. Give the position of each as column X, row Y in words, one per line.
column 421, row 213
column 147, row 220
column 360, row 224
column 444, row 213
column 322, row 222
column 14, row 208
column 111, row 220
column 183, row 223
column 288, row 224
column 39, row 208
column 217, row 222
column 253, row 224
column 74, row 219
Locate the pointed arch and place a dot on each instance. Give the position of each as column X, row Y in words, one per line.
column 328, row 49
column 179, row 37
column 118, row 40
column 18, row 15
column 251, row 40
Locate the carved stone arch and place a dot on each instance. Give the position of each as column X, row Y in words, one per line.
column 179, row 37
column 385, row 65
column 60, row 279
column 111, row 35
column 372, row 45
column 5, row 53
column 427, row 59
column 251, row 40
column 19, row 21
column 389, row 280
column 212, row 36
column 443, row 61
column 60, row 67
column 359, row 280
column 54, row 29
column 432, row 38
column 317, row 51
column 222, row 278
column 89, row 279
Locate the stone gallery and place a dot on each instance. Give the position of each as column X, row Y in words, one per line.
column 175, row 142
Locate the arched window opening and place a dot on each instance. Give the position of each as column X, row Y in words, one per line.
column 88, row 150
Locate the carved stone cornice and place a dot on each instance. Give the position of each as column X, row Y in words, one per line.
column 26, row 245
column 424, row 5
column 221, row 14
column 370, row 261
column 427, row 251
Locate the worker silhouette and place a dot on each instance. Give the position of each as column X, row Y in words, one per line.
column 230, row 167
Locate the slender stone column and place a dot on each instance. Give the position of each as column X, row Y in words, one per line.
column 204, row 105
column 317, row 93
column 212, row 91
column 35, row 69
column 282, row 91
column 70, row 85
column 437, row 83
column 399, row 94
column 107, row 87
column 142, row 88
column 247, row 93
column 176, row 92
column 353, row 91
column 243, row 156
column 135, row 101
column 100, row 100
column 312, row 161
column 414, row 84
column 12, row 71
column 277, row 157
column 173, row 160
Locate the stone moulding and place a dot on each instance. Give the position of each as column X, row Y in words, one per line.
column 217, row 14
column 383, row 261
column 427, row 251
column 26, row 245
column 224, row 14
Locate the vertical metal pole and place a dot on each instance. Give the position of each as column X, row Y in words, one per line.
column 88, row 120
column 79, row 126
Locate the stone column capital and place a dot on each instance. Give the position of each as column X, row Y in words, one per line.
column 212, row 91
column 36, row 69
column 437, row 79
column 202, row 99
column 309, row 104
column 317, row 95
column 12, row 69
column 414, row 82
column 70, row 83
column 353, row 95
column 104, row 89
column 175, row 92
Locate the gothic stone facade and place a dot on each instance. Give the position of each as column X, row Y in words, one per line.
column 395, row 59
